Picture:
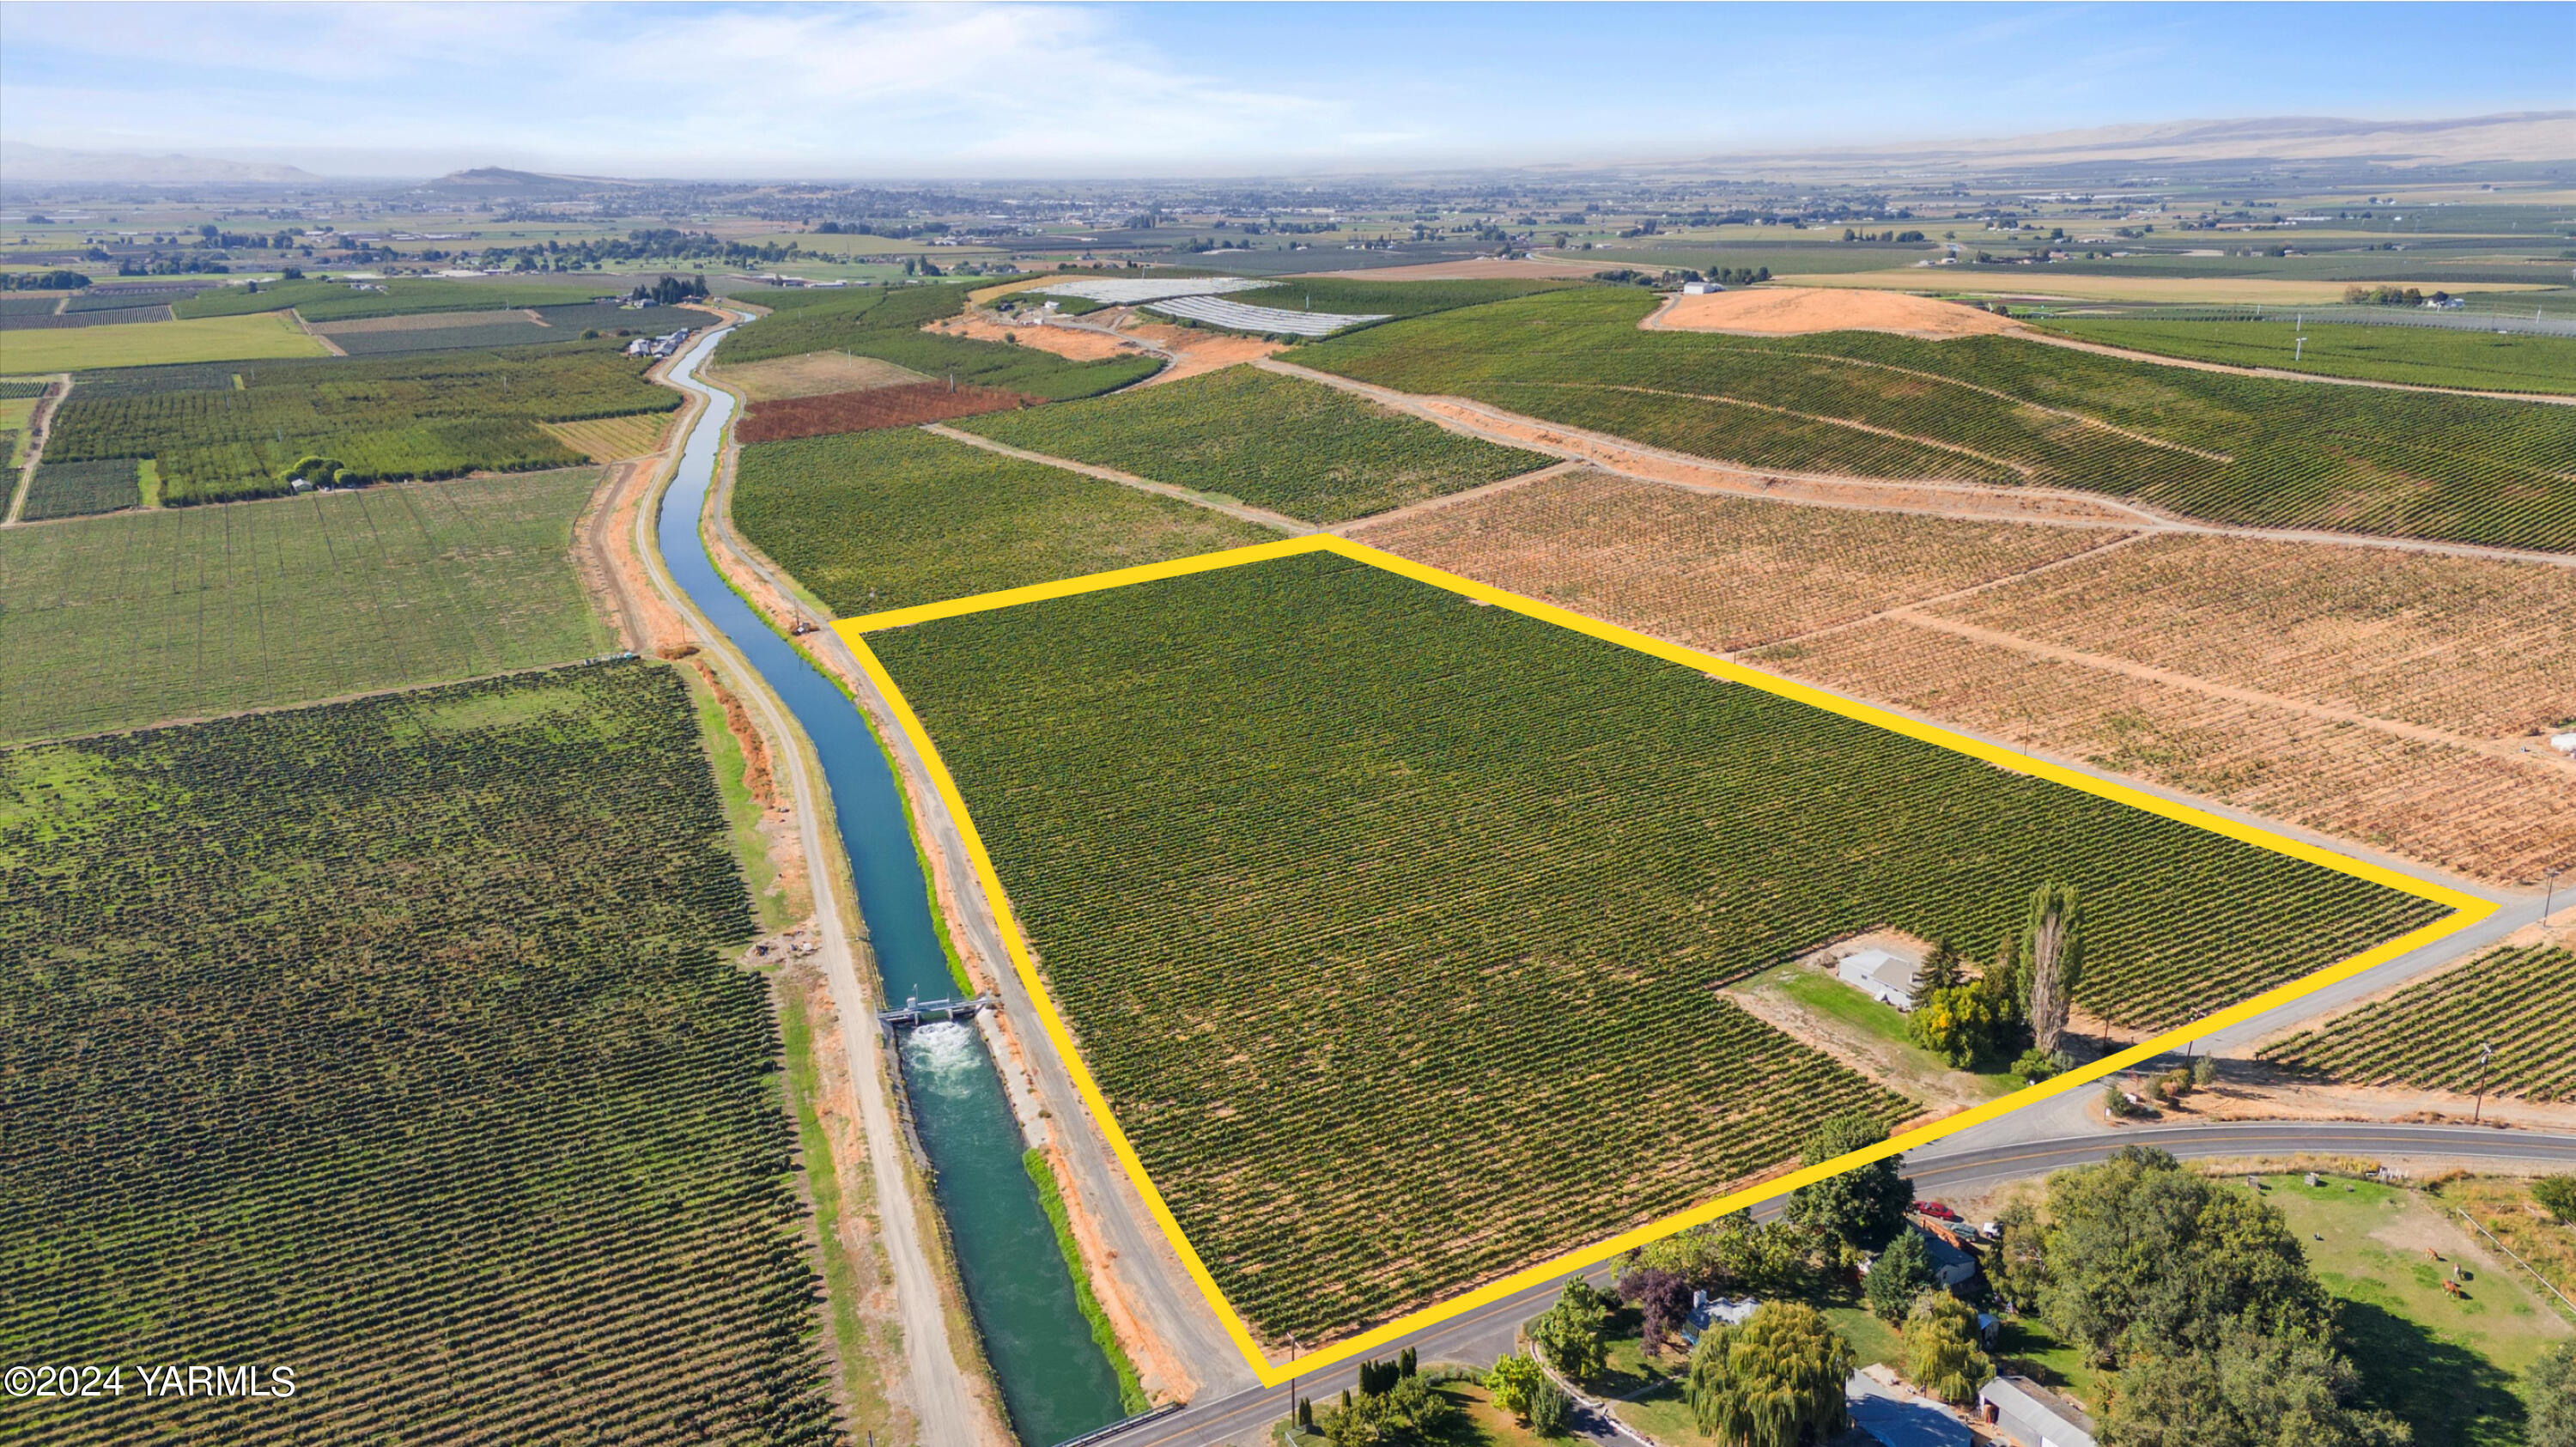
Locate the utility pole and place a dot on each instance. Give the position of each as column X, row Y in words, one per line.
column 2549, row 897
column 2485, row 1054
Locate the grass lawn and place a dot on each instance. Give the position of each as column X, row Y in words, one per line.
column 139, row 617
column 146, row 344
column 1901, row 1063
column 2450, row 1367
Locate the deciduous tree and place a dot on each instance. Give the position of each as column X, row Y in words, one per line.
column 1573, row 1334
column 1776, row 1380
column 1864, row 1206
column 2553, row 1398
column 1942, row 1354
column 2053, row 944
column 2248, row 1390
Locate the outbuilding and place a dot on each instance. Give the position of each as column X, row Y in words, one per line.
column 1884, row 977
column 2030, row 1415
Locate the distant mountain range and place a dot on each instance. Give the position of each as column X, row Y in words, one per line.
column 2517, row 136
column 27, row 164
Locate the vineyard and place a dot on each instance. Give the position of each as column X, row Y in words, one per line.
column 2496, row 816
column 1718, row 573
column 2425, row 356
column 151, row 616
column 1292, row 446
column 1387, row 298
column 394, row 1041
column 885, row 323
column 466, row 331
column 2429, row 1036
column 1335, row 873
column 2474, row 646
column 2002, row 410
column 76, row 489
column 876, row 520
column 907, row 405
column 332, row 301
column 434, row 415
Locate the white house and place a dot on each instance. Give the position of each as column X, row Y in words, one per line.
column 1884, row 977
column 2030, row 1415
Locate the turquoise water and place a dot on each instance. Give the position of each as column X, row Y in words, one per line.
column 1055, row 1382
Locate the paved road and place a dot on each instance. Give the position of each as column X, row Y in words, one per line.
column 1481, row 1335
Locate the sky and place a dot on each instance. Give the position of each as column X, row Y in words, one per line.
column 1053, row 91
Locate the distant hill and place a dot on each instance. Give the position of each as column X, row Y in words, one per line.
column 495, row 183
column 27, row 164
column 2515, row 137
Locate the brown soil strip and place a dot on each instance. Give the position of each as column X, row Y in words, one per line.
column 39, row 420
column 1413, row 510
column 877, row 407
column 1078, row 344
column 1197, row 352
column 1245, row 511
column 1774, row 311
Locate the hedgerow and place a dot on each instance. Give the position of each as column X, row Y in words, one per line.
column 1377, row 911
column 1293, row 446
column 235, row 430
column 888, row 519
column 392, row 1042
column 2000, row 409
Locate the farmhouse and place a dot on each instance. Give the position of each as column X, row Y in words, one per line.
column 2029, row 1415
column 1884, row 977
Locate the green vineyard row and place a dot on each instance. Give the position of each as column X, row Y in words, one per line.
column 1342, row 878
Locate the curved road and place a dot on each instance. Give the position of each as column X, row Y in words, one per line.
column 1486, row 1332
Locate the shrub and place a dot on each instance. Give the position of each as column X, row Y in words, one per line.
column 2558, row 1194
column 1551, row 1412
column 1514, row 1383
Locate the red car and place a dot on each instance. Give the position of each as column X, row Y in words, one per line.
column 1935, row 1210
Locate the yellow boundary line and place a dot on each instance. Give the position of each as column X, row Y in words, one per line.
column 2468, row 910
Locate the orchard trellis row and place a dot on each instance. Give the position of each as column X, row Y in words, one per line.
column 1376, row 911
column 2433, row 1036
column 392, row 1041
column 2003, row 410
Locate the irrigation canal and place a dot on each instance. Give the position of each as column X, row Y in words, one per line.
column 1054, row 1379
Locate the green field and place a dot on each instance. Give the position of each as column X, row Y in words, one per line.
column 2449, row 1367
column 886, row 322
column 1342, row 877
column 874, row 520
column 1355, row 296
column 120, row 621
column 395, row 1042
column 2522, row 1002
column 2001, row 410
column 215, row 339
column 2427, row 356
column 336, row 301
column 1293, row 446
column 223, row 434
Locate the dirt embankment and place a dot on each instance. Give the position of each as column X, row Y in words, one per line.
column 1796, row 311
column 1079, row 344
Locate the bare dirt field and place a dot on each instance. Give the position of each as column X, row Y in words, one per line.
column 2376, row 695
column 1199, row 351
column 812, row 375
column 1794, row 311
column 1073, row 343
column 1477, row 268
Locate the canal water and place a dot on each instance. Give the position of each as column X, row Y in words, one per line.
column 1054, row 1379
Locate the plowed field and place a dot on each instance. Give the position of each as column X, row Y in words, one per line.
column 907, row 406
